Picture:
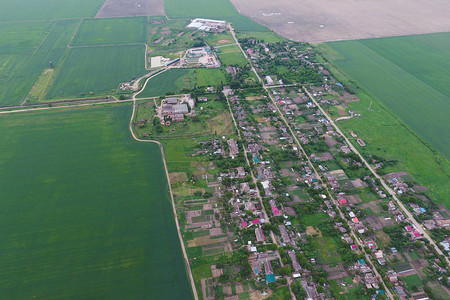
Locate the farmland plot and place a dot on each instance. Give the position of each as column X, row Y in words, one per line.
column 97, row 70
column 23, row 37
column 126, row 8
column 18, row 73
column 111, row 31
column 85, row 210
column 409, row 75
column 48, row 9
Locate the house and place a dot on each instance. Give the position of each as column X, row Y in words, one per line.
column 233, row 146
column 269, row 80
column 180, row 109
column 416, row 235
column 259, row 235
column 171, row 100
column 354, row 247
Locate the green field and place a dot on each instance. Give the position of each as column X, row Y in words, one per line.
column 231, row 55
column 409, row 75
column 97, row 70
column 18, row 72
column 215, row 9
column 48, row 9
column 412, row 280
column 268, row 37
column 174, row 80
column 205, row 77
column 111, row 31
column 23, row 37
column 85, row 210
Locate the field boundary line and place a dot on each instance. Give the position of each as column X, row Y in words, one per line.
column 74, row 33
column 161, row 147
column 43, row 39
column 106, row 45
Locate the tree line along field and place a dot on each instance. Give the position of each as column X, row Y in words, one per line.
column 85, row 210
column 409, row 75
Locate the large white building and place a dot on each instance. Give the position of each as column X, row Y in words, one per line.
column 207, row 24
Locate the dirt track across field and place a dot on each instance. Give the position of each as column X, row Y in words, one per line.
column 332, row 20
column 127, row 8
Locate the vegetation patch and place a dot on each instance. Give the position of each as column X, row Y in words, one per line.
column 408, row 75
column 18, row 73
column 111, row 31
column 48, row 9
column 68, row 214
column 97, row 70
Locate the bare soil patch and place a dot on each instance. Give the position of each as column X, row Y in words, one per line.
column 324, row 20
column 177, row 177
column 310, row 230
column 126, row 8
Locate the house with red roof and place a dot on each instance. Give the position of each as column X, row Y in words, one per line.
column 275, row 211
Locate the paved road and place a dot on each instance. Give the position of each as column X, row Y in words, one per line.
column 416, row 224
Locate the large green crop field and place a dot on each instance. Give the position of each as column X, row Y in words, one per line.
column 97, row 70
column 85, row 212
column 19, row 71
column 20, row 38
column 111, row 31
column 216, row 9
column 407, row 74
column 47, row 9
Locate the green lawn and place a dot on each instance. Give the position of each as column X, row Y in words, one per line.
column 97, row 70
column 170, row 81
column 111, row 31
column 231, row 55
column 409, row 75
column 215, row 9
column 266, row 36
column 175, row 80
column 412, row 280
column 207, row 77
column 328, row 250
column 48, row 9
column 85, row 210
